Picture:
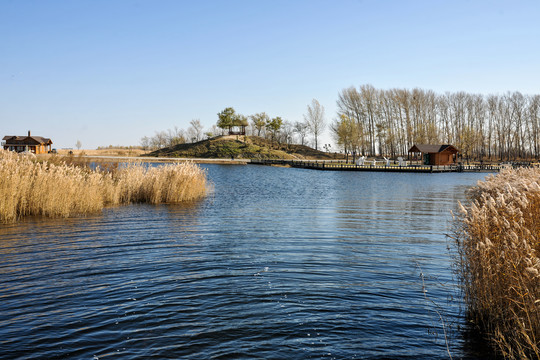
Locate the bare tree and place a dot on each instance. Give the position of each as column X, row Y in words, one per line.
column 191, row 136
column 301, row 129
column 391, row 121
column 78, row 144
column 145, row 142
column 197, row 128
column 534, row 123
column 286, row 133
column 315, row 120
column 159, row 140
column 175, row 136
column 214, row 131
column 351, row 106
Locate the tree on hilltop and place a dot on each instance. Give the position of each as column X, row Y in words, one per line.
column 228, row 118
column 195, row 130
column 225, row 118
column 259, row 121
column 274, row 125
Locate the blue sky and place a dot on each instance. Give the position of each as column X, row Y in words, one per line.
column 112, row 71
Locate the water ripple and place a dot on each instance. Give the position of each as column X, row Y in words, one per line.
column 276, row 263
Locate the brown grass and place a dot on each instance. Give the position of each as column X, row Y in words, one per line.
column 59, row 189
column 104, row 152
column 498, row 240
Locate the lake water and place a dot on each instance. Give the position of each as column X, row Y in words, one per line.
column 275, row 263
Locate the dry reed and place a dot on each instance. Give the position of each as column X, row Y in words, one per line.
column 58, row 189
column 498, row 241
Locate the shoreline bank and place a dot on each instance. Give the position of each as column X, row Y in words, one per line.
column 158, row 159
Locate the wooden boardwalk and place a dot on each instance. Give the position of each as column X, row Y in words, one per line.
column 334, row 165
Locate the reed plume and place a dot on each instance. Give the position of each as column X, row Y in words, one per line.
column 59, row 189
column 498, row 241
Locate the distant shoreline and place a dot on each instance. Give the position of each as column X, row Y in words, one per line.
column 168, row 159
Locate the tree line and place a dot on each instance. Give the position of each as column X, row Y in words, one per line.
column 259, row 124
column 171, row 137
column 389, row 122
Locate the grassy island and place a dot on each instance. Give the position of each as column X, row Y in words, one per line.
column 246, row 147
column 498, row 239
column 57, row 189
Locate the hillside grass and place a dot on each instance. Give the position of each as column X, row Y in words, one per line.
column 58, row 189
column 498, row 240
column 244, row 147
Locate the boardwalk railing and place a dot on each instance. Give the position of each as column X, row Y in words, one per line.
column 342, row 166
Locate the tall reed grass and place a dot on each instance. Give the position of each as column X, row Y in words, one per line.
column 57, row 189
column 498, row 241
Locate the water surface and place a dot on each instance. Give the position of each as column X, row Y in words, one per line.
column 275, row 263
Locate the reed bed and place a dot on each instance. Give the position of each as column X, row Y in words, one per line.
column 498, row 241
column 59, row 189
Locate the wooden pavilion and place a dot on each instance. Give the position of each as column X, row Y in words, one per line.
column 238, row 127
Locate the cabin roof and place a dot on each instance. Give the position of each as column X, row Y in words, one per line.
column 430, row 149
column 28, row 139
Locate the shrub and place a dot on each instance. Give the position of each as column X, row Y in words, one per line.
column 498, row 241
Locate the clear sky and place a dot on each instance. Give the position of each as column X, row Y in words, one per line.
column 112, row 71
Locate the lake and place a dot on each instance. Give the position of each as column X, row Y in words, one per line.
column 275, row 263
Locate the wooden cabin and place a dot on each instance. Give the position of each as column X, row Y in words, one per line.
column 33, row 144
column 436, row 154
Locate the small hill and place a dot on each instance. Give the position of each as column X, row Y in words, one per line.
column 245, row 147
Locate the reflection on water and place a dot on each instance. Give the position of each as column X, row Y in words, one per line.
column 275, row 263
